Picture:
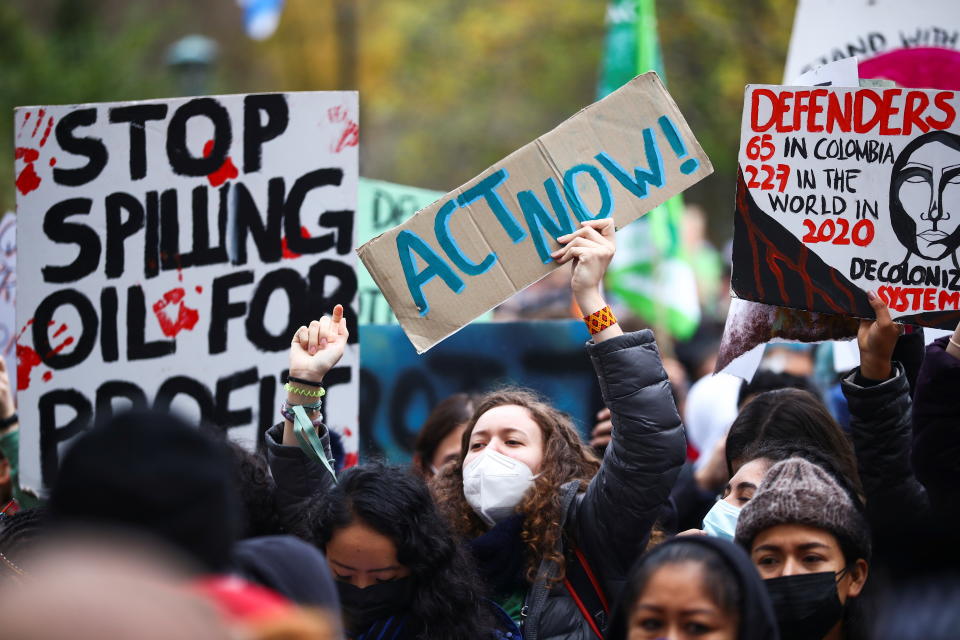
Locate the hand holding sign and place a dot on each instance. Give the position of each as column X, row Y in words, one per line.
column 317, row 348
column 877, row 339
column 591, row 248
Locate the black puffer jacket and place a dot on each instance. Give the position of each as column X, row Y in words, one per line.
column 611, row 521
column 880, row 423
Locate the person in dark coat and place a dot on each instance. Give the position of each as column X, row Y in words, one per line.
column 533, row 499
column 694, row 587
column 399, row 571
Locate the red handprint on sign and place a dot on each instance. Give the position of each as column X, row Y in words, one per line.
column 28, row 179
column 173, row 315
column 350, row 135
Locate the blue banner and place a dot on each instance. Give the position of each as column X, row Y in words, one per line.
column 398, row 388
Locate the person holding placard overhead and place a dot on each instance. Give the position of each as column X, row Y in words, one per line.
column 553, row 528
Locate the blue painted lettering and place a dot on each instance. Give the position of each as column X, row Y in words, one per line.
column 486, row 189
column 540, row 221
column 653, row 176
column 573, row 193
column 441, row 226
column 409, row 243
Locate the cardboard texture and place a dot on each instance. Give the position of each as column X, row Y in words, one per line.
column 172, row 249
column 491, row 237
column 846, row 190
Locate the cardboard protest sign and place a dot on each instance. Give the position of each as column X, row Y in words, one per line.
column 398, row 388
column 171, row 249
column 845, row 190
column 380, row 207
column 488, row 239
column 915, row 44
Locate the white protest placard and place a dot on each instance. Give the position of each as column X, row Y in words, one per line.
column 8, row 296
column 915, row 43
column 846, row 190
column 169, row 251
column 842, row 73
column 491, row 237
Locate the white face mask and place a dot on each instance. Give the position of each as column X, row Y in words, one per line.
column 494, row 484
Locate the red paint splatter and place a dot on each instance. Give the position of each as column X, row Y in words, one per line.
column 350, row 460
column 350, row 136
column 186, row 318
column 27, row 359
column 36, row 127
column 347, row 432
column 23, row 125
column 26, row 154
column 287, row 253
column 62, row 328
column 47, row 376
column 46, row 133
column 228, row 171
column 27, row 179
column 53, row 162
column 199, row 289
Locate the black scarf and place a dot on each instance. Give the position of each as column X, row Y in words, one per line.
column 500, row 556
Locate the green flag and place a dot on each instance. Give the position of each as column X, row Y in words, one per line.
column 650, row 273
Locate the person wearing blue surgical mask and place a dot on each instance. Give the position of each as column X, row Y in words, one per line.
column 721, row 520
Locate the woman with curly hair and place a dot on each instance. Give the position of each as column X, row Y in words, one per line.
column 400, row 572
column 554, row 529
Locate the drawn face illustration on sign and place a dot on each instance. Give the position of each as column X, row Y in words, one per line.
column 925, row 196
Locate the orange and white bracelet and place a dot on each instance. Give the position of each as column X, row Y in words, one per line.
column 600, row 320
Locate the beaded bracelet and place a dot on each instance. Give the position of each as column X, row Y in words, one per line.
column 319, row 392
column 600, row 320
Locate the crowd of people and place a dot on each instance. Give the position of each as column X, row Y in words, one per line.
column 777, row 518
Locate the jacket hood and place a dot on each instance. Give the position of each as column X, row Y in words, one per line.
column 757, row 620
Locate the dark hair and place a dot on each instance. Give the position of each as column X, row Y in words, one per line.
column 18, row 533
column 251, row 474
column 719, row 581
column 451, row 412
column 766, row 380
column 565, row 459
column 791, row 416
column 395, row 503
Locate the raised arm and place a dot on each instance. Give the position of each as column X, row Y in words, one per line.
column 314, row 350
column 612, row 520
column 878, row 396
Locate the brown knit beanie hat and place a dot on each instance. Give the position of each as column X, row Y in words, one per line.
column 796, row 491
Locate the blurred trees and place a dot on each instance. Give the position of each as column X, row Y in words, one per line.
column 711, row 51
column 447, row 87
column 73, row 55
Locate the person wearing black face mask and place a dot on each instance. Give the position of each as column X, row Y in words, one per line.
column 400, row 573
column 810, row 542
